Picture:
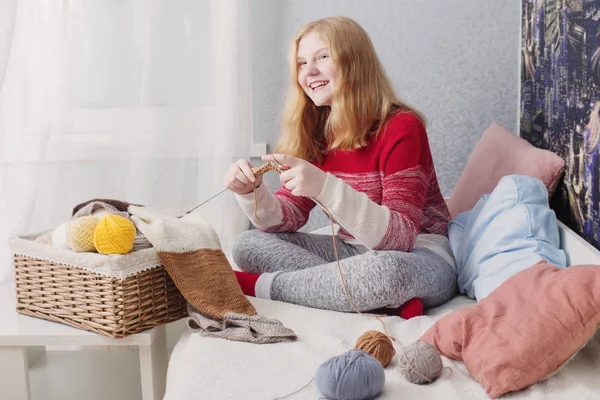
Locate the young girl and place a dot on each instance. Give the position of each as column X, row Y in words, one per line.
column 360, row 153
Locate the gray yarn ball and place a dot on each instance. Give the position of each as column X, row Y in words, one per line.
column 420, row 363
column 355, row 375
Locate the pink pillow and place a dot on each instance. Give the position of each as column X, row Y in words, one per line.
column 525, row 330
column 499, row 153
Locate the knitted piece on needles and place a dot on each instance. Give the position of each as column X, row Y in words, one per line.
column 191, row 253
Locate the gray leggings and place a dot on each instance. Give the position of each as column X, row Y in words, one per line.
column 310, row 275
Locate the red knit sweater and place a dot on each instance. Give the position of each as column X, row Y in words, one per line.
column 384, row 194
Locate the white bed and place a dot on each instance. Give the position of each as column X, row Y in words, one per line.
column 206, row 368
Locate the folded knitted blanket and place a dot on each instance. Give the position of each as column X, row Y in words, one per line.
column 190, row 251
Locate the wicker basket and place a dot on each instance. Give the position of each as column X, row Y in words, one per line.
column 51, row 285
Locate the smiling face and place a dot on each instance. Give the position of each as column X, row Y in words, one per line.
column 317, row 72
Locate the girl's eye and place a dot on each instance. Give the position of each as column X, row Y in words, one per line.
column 301, row 64
column 322, row 56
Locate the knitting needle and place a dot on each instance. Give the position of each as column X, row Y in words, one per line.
column 256, row 171
column 207, row 200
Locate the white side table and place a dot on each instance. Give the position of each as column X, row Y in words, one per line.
column 20, row 334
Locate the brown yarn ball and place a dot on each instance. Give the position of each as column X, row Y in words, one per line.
column 377, row 345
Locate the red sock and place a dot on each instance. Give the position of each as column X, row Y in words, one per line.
column 247, row 281
column 410, row 309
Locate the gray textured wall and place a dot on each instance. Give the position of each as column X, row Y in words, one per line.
column 455, row 60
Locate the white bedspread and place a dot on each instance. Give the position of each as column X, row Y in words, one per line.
column 205, row 368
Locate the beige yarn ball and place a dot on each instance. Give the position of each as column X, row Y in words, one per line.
column 80, row 233
column 114, row 235
column 420, row 363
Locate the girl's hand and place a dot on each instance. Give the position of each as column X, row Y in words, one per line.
column 302, row 178
column 240, row 178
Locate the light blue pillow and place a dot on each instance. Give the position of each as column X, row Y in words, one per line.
column 507, row 231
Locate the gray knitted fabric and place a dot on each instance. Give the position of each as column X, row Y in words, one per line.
column 240, row 327
column 308, row 275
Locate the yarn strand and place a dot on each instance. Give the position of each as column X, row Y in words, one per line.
column 297, row 391
column 281, row 167
column 344, row 284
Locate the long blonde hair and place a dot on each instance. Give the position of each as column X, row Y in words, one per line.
column 362, row 102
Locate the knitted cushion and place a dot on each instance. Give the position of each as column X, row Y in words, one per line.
column 499, row 153
column 526, row 329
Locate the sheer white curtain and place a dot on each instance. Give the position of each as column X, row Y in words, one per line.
column 146, row 101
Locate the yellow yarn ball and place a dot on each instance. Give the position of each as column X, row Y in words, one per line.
column 80, row 233
column 114, row 235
